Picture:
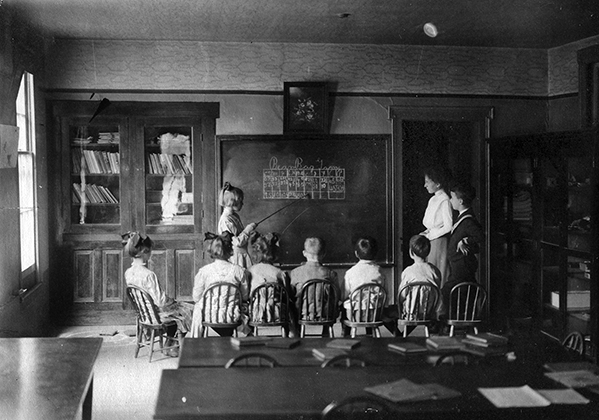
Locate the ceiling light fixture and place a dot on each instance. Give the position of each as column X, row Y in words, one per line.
column 430, row 29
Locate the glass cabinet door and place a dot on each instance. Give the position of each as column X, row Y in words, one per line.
column 95, row 172
column 169, row 175
column 579, row 170
column 577, row 299
column 522, row 214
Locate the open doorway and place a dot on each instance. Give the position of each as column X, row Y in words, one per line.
column 453, row 136
column 425, row 144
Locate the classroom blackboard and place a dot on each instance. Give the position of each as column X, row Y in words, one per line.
column 348, row 178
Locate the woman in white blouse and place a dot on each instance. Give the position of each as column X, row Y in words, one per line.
column 438, row 219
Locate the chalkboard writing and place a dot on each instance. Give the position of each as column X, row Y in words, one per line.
column 289, row 182
column 349, row 180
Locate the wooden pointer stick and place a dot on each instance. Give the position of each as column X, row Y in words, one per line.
column 284, row 207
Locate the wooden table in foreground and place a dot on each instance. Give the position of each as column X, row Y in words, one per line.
column 216, row 351
column 47, row 378
column 303, row 392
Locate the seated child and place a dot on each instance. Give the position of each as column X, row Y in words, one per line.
column 314, row 252
column 139, row 247
column 264, row 251
column 420, row 271
column 365, row 271
column 220, row 249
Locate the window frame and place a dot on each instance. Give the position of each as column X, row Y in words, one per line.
column 25, row 115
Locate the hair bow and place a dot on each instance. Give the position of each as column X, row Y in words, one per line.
column 137, row 239
column 272, row 238
column 209, row 236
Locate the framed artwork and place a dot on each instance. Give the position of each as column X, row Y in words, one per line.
column 306, row 107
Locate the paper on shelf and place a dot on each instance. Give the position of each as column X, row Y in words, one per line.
column 523, row 396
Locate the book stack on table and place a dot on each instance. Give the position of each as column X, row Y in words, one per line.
column 238, row 342
column 442, row 343
column 485, row 344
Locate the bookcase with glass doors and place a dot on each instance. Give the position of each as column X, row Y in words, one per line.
column 136, row 166
column 542, row 233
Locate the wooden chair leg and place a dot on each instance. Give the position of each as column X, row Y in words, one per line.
column 331, row 331
column 138, row 343
column 475, row 330
column 452, row 330
column 353, row 332
column 376, row 332
column 152, row 345
column 426, row 332
column 405, row 331
column 302, row 331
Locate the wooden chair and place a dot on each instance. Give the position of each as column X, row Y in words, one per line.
column 574, row 343
column 466, row 301
column 221, row 307
column 148, row 322
column 366, row 308
column 359, row 407
column 252, row 359
column 318, row 305
column 455, row 358
column 344, row 360
column 417, row 304
column 269, row 307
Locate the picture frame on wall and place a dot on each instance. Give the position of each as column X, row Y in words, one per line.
column 305, row 107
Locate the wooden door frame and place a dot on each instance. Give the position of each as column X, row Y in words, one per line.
column 480, row 117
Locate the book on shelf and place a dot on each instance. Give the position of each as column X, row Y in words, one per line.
column 327, row 353
column 79, row 193
column 283, row 343
column 249, row 341
column 407, row 347
column 343, row 343
column 444, row 343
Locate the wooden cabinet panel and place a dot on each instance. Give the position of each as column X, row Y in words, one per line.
column 136, row 166
column 112, row 275
column 185, row 272
column 83, row 269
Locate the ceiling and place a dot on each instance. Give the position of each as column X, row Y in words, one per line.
column 491, row 23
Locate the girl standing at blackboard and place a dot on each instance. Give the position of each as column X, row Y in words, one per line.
column 230, row 199
column 438, row 218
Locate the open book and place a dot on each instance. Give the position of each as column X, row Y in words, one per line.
column 406, row 390
column 575, row 378
column 525, row 396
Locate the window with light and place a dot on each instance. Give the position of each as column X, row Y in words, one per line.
column 27, row 181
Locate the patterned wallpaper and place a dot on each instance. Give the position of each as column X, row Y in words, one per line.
column 385, row 69
column 563, row 66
